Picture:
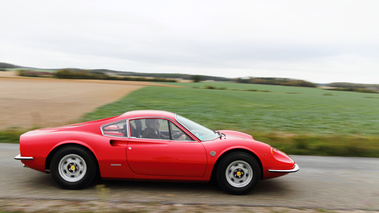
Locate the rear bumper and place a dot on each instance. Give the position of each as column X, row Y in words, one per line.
column 19, row 157
column 295, row 169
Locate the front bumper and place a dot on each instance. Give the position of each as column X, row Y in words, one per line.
column 19, row 157
column 295, row 169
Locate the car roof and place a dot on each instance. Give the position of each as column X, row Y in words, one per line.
column 148, row 113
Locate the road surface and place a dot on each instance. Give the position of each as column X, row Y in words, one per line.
column 322, row 182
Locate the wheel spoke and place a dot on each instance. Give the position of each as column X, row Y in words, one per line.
column 239, row 174
column 72, row 168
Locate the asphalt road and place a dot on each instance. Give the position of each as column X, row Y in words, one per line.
column 322, row 182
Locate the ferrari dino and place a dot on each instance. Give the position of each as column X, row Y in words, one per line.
column 151, row 145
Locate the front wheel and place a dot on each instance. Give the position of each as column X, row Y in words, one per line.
column 73, row 167
column 238, row 173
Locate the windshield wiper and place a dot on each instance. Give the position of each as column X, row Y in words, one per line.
column 220, row 134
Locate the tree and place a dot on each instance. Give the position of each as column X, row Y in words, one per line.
column 196, row 78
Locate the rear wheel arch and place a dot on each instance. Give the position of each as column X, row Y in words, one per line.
column 56, row 149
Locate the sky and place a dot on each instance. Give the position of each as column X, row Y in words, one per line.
column 321, row 41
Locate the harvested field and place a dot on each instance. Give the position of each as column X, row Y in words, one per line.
column 40, row 102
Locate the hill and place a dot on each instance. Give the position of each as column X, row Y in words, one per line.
column 8, row 66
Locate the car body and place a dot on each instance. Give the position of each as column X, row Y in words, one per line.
column 151, row 145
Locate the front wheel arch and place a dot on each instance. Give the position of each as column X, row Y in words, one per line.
column 214, row 176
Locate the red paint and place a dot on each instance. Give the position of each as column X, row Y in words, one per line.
column 149, row 159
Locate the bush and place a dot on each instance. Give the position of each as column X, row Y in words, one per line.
column 78, row 74
column 33, row 73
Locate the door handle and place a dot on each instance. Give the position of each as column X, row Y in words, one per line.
column 118, row 143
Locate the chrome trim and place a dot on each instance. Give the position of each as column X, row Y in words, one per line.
column 295, row 169
column 128, row 133
column 19, row 157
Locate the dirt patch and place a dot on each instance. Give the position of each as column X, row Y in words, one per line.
column 8, row 74
column 28, row 205
column 40, row 102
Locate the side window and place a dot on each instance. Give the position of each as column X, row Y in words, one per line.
column 149, row 128
column 137, row 127
column 115, row 129
column 156, row 129
column 178, row 134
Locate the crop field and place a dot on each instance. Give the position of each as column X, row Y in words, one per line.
column 297, row 120
column 255, row 108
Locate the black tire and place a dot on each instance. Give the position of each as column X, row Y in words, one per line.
column 73, row 167
column 238, row 173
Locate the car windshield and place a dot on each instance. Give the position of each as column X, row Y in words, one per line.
column 198, row 130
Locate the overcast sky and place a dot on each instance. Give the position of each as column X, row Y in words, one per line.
column 317, row 40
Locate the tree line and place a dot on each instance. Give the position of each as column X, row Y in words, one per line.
column 276, row 81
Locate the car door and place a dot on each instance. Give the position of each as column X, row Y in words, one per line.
column 166, row 155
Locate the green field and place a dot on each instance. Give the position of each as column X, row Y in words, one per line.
column 269, row 108
column 297, row 120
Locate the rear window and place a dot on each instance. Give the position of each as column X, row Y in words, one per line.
column 117, row 129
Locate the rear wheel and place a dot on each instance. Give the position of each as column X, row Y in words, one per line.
column 238, row 173
column 73, row 167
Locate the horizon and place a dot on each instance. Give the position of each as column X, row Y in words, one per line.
column 250, row 77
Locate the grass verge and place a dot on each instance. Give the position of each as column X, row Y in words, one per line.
column 10, row 135
column 322, row 145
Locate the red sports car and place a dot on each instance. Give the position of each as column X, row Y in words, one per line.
column 151, row 145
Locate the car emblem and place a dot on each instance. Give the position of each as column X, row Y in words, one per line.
column 213, row 153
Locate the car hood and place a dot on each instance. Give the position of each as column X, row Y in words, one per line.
column 236, row 134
